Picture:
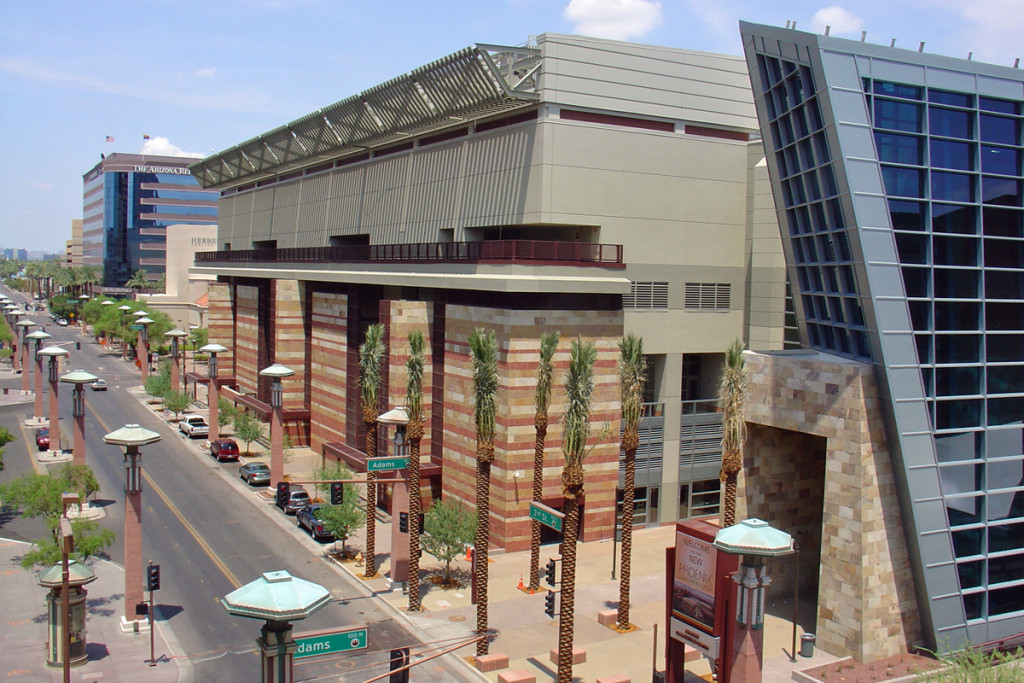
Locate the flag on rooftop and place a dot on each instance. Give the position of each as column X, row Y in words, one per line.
column 145, row 137
column 110, row 138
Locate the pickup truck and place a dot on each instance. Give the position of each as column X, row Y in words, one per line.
column 193, row 426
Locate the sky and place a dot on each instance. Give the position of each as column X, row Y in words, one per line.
column 199, row 76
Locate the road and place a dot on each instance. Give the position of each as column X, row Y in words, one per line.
column 209, row 532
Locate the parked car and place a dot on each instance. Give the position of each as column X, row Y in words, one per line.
column 99, row 385
column 306, row 518
column 297, row 500
column 224, row 449
column 193, row 426
column 255, row 473
column 43, row 438
column 62, row 322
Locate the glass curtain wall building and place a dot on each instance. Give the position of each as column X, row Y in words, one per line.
column 897, row 178
column 129, row 202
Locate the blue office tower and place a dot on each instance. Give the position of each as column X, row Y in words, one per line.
column 897, row 178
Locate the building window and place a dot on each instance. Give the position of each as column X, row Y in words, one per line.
column 646, row 295
column 707, row 295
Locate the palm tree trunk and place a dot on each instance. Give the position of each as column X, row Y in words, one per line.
column 729, row 503
column 628, row 505
column 369, row 560
column 415, row 434
column 483, row 492
column 568, row 606
column 541, row 426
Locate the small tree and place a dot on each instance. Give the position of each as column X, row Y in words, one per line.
column 5, row 438
column 39, row 495
column 248, row 429
column 321, row 475
column 448, row 528
column 158, row 386
column 177, row 402
column 226, row 412
column 342, row 520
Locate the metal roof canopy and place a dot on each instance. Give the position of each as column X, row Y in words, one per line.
column 472, row 83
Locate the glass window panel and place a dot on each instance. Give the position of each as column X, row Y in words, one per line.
column 950, row 123
column 1000, row 129
column 849, row 281
column 954, row 251
column 1003, row 222
column 970, row 573
column 923, row 342
column 974, row 605
column 1002, row 411
column 895, row 115
column 1004, row 316
column 912, row 247
column 956, row 447
column 854, row 313
column 954, row 219
column 958, row 414
column 921, row 315
column 915, row 282
column 1001, row 191
column 1006, row 537
column 1004, row 348
column 968, row 542
column 957, row 348
column 908, row 215
column 1002, row 106
column 1000, row 160
column 828, row 179
column 1003, row 474
column 968, row 478
column 1004, row 284
column 1005, row 600
column 951, row 187
column 955, row 99
column 950, row 154
column 956, row 284
column 911, row 92
column 957, row 381
column 1004, row 443
column 1004, row 253
column 1005, row 379
column 900, row 149
column 903, row 182
column 821, row 147
column 957, row 316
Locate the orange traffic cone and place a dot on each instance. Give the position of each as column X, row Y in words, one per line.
column 469, row 554
column 520, row 586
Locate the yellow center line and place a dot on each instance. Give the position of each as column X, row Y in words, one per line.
column 188, row 527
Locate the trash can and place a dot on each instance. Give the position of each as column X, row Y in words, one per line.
column 5, row 391
column 807, row 645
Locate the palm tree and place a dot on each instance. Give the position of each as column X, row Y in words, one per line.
column 541, row 400
column 579, row 387
column 371, row 358
column 484, row 352
column 631, row 384
column 414, row 432
column 732, row 394
column 139, row 280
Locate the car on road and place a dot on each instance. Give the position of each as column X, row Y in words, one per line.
column 307, row 519
column 255, row 473
column 43, row 438
column 297, row 499
column 224, row 449
column 193, row 426
column 99, row 385
column 62, row 322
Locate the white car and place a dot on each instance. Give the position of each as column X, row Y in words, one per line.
column 193, row 426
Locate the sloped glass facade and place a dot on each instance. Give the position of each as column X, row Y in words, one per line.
column 898, row 182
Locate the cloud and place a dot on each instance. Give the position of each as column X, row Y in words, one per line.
column 838, row 18
column 163, row 147
column 209, row 72
column 995, row 28
column 39, row 186
column 616, row 19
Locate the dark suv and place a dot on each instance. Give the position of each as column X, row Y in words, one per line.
column 297, row 500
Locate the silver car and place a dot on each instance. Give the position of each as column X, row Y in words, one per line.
column 255, row 473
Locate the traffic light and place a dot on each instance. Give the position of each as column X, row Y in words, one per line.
column 549, row 573
column 337, row 493
column 403, row 522
column 283, row 490
column 153, row 577
column 549, row 604
column 419, row 529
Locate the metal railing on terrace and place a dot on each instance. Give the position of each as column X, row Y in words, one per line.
column 498, row 251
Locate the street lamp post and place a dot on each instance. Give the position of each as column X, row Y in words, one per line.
column 400, row 548
column 131, row 437
column 756, row 541
column 124, row 308
column 175, row 336
column 144, row 321
column 82, row 300
column 23, row 325
column 79, row 378
column 54, row 353
column 38, row 337
column 212, row 395
column 13, row 313
column 276, row 372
